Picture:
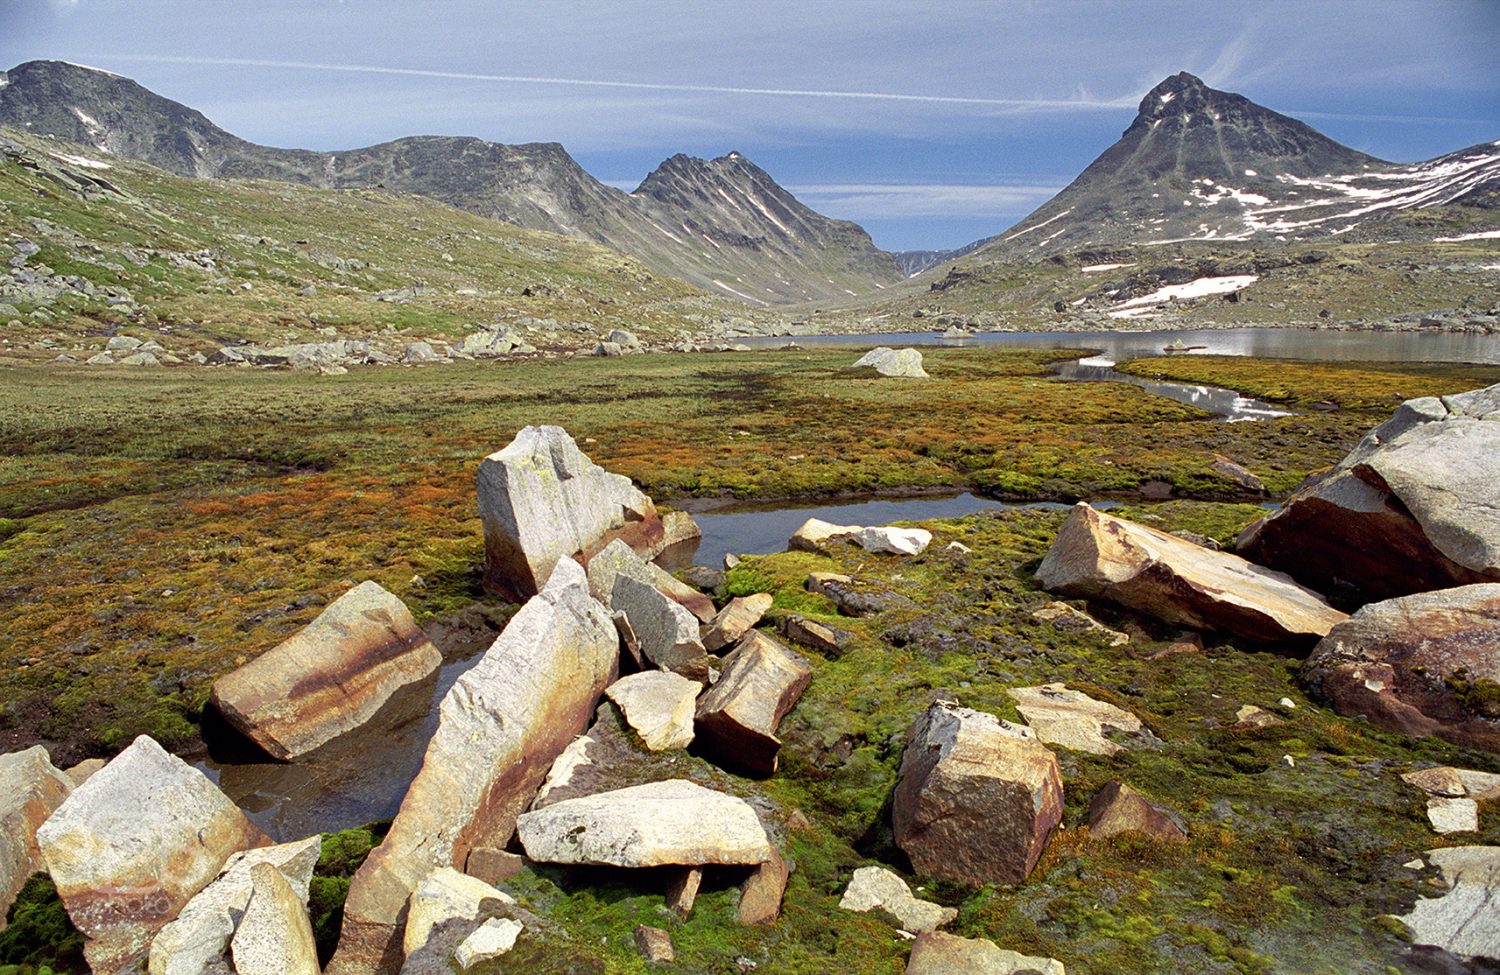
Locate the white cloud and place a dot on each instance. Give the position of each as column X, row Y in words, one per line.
column 870, row 201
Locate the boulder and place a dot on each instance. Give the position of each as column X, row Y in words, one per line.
column 329, row 678
column 654, row 944
column 499, row 729
column 1065, row 618
column 814, row 532
column 618, row 557
column 1453, row 815
column 1466, row 919
column 1251, row 716
column 936, row 953
column 738, row 717
column 665, row 631
column 106, row 844
column 889, row 540
column 877, row 887
column 31, row 789
column 762, row 892
column 671, row 823
column 822, row 637
column 1072, row 719
column 903, row 363
column 1235, row 472
column 200, row 934
column 1117, row 808
column 659, row 705
column 274, row 937
column 622, row 338
column 419, row 352
column 542, row 500
column 1444, row 780
column 851, row 598
column 495, row 937
column 735, row 620
column 446, row 894
column 1098, row 556
column 1414, row 506
column 608, row 349
column 1418, row 665
column 977, row 797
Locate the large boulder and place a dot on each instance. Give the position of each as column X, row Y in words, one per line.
column 31, row 789
column 329, row 678
column 500, row 727
column 739, row 715
column 671, row 823
column 905, row 363
column 1414, row 506
column 1425, row 664
column 542, row 500
column 936, row 953
column 1098, row 556
column 275, row 936
column 1466, row 919
column 106, row 845
column 977, row 797
column 665, row 632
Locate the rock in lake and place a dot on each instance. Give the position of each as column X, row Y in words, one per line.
column 735, row 620
column 1418, row 665
column 106, row 844
column 329, row 678
column 877, row 887
column 666, row 633
column 1098, row 556
column 274, row 937
column 815, row 531
column 739, row 715
column 1117, row 808
column 1466, row 919
column 542, row 500
column 1072, row 719
column 977, row 797
column 671, row 823
column 659, row 705
column 31, row 789
column 936, row 953
column 500, row 727
column 889, row 540
column 1414, row 506
column 903, row 363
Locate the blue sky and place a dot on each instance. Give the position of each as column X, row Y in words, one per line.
column 930, row 123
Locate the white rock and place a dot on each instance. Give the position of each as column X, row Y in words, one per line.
column 893, row 541
column 445, row 895
column 906, row 363
column 665, row 631
column 1453, row 815
column 492, row 939
column 1072, row 719
column 659, row 705
column 275, row 936
column 874, row 887
column 815, row 531
column 1465, row 920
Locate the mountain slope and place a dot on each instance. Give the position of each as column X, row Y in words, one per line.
column 721, row 224
column 1202, row 164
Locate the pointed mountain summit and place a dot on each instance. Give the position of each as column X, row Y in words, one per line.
column 722, row 224
column 1202, row 164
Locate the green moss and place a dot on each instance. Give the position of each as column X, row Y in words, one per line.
column 39, row 938
column 343, row 853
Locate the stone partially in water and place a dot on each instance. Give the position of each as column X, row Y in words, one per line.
column 329, row 678
column 739, row 715
column 1098, row 556
column 105, row 846
column 500, row 728
column 31, row 789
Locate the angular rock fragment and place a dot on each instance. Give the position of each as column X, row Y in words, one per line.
column 495, row 937
column 105, row 846
column 739, row 715
column 1414, row 506
column 659, row 705
column 1098, row 556
column 762, row 892
column 682, row 890
column 1417, row 665
column 671, row 823
column 814, row 532
column 500, row 728
column 1466, row 919
column 936, row 953
column 446, row 894
column 275, row 936
column 617, row 557
column 654, row 944
column 329, row 678
column 977, row 797
column 31, row 789
column 877, row 887
column 1453, row 815
column 900, row 363
column 735, row 620
column 852, row 599
column 1072, row 719
column 665, row 631
column 889, row 540
column 1065, row 618
column 830, row 640
column 1250, row 716
column 1444, row 780
column 1117, row 808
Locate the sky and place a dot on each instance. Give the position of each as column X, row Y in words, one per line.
column 929, row 123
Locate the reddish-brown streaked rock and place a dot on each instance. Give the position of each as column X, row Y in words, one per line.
column 762, row 892
column 735, row 620
column 682, row 890
column 331, row 677
column 1098, row 556
column 500, row 728
column 1411, row 665
column 1117, row 808
column 977, row 797
column 542, row 500
column 132, row 845
column 665, row 632
column 31, row 789
column 654, row 944
column 739, row 715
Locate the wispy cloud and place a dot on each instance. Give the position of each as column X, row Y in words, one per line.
column 871, row 201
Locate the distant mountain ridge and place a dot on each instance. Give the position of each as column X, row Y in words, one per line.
column 1208, row 165
column 722, row 224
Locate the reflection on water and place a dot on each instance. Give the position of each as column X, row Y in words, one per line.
column 1225, row 402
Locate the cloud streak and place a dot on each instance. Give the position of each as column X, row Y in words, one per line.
column 887, row 200
column 1023, row 104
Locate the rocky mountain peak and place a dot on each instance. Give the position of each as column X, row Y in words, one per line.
column 1179, row 93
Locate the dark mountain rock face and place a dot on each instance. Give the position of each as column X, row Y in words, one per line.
column 1202, row 164
column 722, row 224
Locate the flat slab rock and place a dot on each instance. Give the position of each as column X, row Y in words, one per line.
column 1098, row 556
column 936, row 953
column 1466, row 919
column 1072, row 719
column 874, row 888
column 1397, row 663
column 735, row 620
column 329, row 678
column 659, row 705
column 671, row 823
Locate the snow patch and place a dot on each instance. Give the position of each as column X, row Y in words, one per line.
column 1481, row 235
column 1200, row 288
column 1251, row 172
column 769, row 215
column 89, row 122
column 90, row 67
column 1168, row 97
column 83, row 161
column 1097, row 268
column 1039, row 226
column 740, row 294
